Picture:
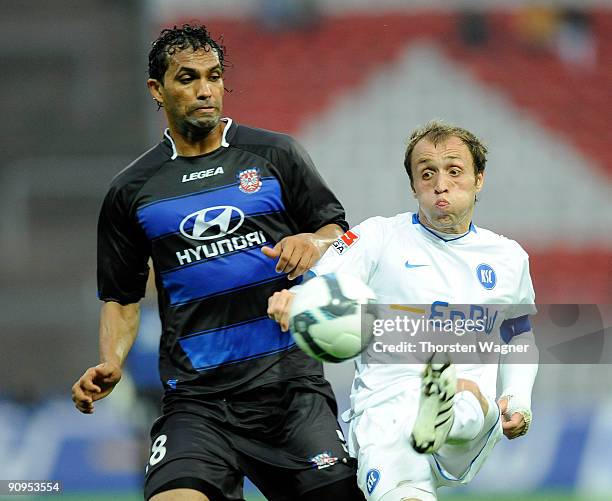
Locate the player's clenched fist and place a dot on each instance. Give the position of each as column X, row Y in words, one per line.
column 279, row 305
column 515, row 425
column 96, row 383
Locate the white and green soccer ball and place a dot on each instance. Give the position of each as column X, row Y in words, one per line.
column 326, row 320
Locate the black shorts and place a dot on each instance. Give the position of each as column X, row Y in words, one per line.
column 284, row 436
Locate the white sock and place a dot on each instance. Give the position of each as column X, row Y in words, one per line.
column 469, row 418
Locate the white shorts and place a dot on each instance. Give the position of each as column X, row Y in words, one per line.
column 380, row 439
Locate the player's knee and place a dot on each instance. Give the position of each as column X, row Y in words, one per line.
column 468, row 385
column 411, row 498
column 405, row 492
column 473, row 388
column 180, row 495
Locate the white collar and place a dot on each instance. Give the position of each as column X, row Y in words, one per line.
column 224, row 142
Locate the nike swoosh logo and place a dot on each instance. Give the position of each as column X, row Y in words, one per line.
column 408, row 265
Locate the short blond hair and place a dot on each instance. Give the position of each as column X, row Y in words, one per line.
column 436, row 131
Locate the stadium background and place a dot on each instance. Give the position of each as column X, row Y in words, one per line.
column 350, row 79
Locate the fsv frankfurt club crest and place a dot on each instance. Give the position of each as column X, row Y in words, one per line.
column 250, row 180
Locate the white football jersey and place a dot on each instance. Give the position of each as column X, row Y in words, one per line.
column 406, row 263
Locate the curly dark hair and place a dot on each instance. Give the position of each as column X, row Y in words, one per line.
column 177, row 38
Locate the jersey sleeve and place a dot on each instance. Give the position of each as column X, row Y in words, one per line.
column 517, row 316
column 310, row 201
column 123, row 253
column 355, row 252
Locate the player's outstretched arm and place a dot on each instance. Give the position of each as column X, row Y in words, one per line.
column 296, row 254
column 118, row 329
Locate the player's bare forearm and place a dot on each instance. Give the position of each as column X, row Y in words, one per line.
column 326, row 235
column 118, row 329
column 298, row 253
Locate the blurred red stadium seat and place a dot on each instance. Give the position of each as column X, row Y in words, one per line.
column 343, row 51
column 566, row 276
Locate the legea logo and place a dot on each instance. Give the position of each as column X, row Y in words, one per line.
column 212, row 222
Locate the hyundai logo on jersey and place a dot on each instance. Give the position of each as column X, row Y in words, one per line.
column 486, row 276
column 212, row 222
column 372, row 478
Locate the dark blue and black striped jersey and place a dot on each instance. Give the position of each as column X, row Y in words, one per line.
column 203, row 220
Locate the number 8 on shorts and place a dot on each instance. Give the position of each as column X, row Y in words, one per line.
column 158, row 451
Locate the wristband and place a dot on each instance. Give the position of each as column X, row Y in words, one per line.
column 523, row 411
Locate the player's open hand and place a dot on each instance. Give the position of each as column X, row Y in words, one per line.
column 296, row 254
column 96, row 383
column 279, row 305
column 513, row 426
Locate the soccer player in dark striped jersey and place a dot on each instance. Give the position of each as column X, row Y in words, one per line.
column 228, row 214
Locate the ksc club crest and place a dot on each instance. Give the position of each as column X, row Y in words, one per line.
column 250, row 180
column 486, row 276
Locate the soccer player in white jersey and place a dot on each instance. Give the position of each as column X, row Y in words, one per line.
column 415, row 427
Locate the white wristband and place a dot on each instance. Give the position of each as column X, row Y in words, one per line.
column 513, row 407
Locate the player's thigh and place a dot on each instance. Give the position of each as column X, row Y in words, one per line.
column 336, row 482
column 312, row 453
column 180, row 495
column 455, row 464
column 342, row 490
column 386, row 459
column 408, row 492
column 190, row 452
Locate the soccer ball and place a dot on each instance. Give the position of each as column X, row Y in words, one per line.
column 325, row 317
